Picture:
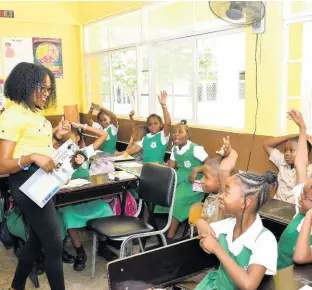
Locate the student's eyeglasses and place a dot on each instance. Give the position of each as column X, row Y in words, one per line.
column 44, row 90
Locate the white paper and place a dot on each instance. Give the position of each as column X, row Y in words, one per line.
column 76, row 183
column 42, row 186
column 16, row 50
column 306, row 287
column 120, row 158
column 120, row 175
column 130, row 164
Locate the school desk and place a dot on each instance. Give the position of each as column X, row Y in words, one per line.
column 100, row 187
column 183, row 265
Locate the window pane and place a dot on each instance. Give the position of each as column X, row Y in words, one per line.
column 96, row 36
column 98, row 84
column 169, row 19
column 143, row 102
column 295, row 41
column 173, row 72
column 294, row 79
column 104, row 80
column 124, row 80
column 221, row 80
column 125, row 29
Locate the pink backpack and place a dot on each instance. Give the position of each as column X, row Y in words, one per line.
column 131, row 207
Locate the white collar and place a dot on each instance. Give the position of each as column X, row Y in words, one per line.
column 185, row 148
column 247, row 239
column 149, row 135
column 300, row 226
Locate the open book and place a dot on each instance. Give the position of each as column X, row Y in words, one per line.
column 42, row 186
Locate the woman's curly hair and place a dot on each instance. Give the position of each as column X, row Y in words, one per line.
column 25, row 80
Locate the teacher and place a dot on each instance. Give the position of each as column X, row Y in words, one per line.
column 26, row 145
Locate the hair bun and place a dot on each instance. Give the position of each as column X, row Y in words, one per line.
column 183, row 122
column 270, row 177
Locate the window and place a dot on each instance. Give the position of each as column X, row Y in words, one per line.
column 219, row 83
column 162, row 51
column 124, row 80
column 173, row 72
column 297, row 90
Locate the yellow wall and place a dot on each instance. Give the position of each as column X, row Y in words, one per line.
column 48, row 19
column 91, row 11
column 270, row 53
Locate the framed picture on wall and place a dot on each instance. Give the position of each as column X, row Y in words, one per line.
column 48, row 52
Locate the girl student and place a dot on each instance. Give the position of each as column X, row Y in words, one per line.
column 76, row 216
column 26, row 145
column 246, row 250
column 138, row 132
column 295, row 244
column 107, row 121
column 186, row 156
column 154, row 144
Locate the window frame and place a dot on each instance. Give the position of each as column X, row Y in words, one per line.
column 194, row 36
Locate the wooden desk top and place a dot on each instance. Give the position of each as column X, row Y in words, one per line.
column 277, row 210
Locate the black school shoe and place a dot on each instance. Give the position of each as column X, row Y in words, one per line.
column 80, row 262
column 106, row 253
column 67, row 258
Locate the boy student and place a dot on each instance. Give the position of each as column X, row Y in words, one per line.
column 295, row 244
column 285, row 164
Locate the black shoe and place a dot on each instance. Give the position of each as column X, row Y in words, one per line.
column 80, row 262
column 107, row 254
column 67, row 258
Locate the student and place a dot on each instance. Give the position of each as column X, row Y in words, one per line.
column 296, row 241
column 25, row 146
column 155, row 143
column 76, row 216
column 187, row 157
column 246, row 250
column 138, row 132
column 285, row 164
column 107, row 121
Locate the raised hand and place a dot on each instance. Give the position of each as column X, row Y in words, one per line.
column 63, row 127
column 131, row 114
column 163, row 98
column 226, row 147
column 296, row 116
column 96, row 107
column 77, row 125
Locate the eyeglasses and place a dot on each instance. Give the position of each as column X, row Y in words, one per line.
column 44, row 90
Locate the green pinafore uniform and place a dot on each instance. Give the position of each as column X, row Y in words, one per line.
column 220, row 279
column 287, row 243
column 153, row 149
column 109, row 145
column 185, row 196
column 76, row 216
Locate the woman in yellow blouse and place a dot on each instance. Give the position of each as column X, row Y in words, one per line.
column 26, row 145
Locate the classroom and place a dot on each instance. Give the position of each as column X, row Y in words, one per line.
column 155, row 145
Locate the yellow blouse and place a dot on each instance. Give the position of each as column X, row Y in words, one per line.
column 31, row 131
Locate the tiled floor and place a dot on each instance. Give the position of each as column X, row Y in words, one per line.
column 74, row 280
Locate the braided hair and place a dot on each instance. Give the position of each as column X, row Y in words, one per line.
column 26, row 79
column 186, row 128
column 259, row 185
